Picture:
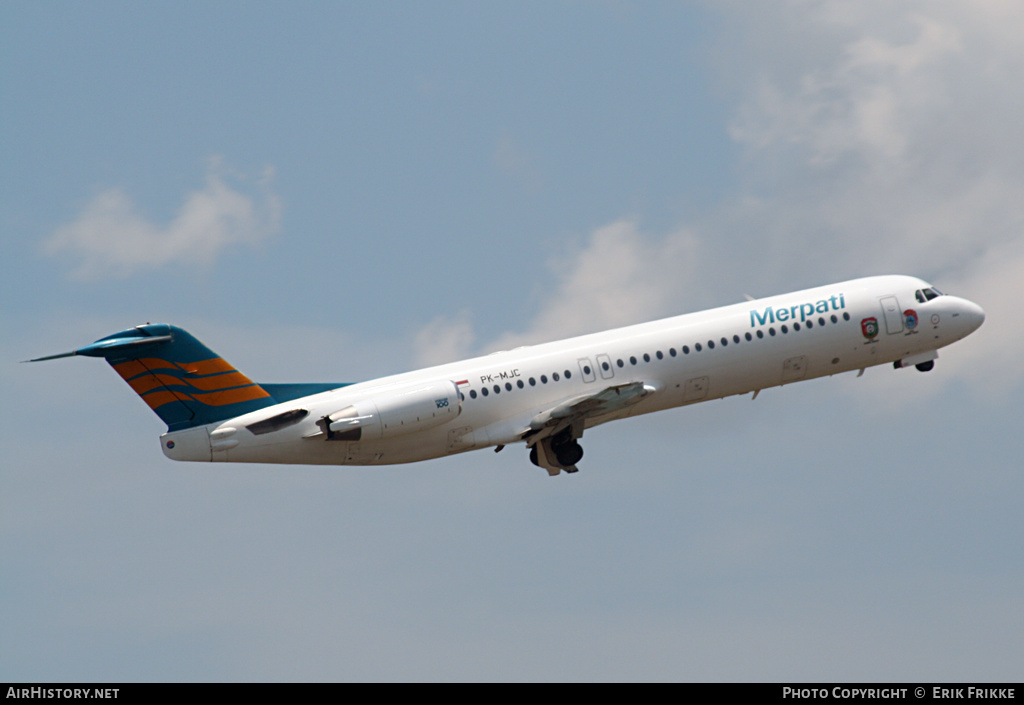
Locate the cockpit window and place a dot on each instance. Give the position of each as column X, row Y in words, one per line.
column 928, row 294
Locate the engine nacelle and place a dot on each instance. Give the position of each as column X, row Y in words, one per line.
column 394, row 413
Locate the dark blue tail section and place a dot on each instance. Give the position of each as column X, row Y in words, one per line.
column 182, row 380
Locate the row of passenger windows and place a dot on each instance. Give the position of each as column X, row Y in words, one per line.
column 697, row 347
column 519, row 383
column 736, row 339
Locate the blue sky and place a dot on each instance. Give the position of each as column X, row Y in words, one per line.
column 334, row 191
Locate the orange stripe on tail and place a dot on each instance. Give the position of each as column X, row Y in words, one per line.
column 133, row 368
column 149, row 382
column 232, row 396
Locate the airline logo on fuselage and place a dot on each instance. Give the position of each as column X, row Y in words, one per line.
column 836, row 302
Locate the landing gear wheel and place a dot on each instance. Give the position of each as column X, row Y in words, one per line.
column 925, row 366
column 534, row 456
column 569, row 453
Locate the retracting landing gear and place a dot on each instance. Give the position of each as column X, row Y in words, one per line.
column 558, row 452
column 923, row 362
column 569, row 452
column 926, row 366
column 553, row 435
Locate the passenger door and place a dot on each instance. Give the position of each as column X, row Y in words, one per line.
column 893, row 315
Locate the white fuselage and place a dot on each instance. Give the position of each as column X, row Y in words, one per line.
column 682, row 360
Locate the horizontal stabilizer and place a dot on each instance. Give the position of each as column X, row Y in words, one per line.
column 110, row 347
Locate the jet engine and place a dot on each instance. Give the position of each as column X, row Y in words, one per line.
column 394, row 413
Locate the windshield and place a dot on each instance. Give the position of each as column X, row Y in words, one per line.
column 928, row 294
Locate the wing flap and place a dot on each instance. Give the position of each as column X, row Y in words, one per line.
column 576, row 410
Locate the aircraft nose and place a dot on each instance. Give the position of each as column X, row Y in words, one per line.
column 975, row 314
column 971, row 314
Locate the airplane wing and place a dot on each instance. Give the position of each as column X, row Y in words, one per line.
column 574, row 412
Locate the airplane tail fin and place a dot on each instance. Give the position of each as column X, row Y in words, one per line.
column 182, row 380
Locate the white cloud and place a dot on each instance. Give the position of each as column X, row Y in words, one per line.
column 444, row 339
column 885, row 138
column 620, row 276
column 862, row 104
column 111, row 239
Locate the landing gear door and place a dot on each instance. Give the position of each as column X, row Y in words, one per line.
column 893, row 315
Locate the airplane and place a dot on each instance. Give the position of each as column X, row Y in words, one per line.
column 544, row 396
